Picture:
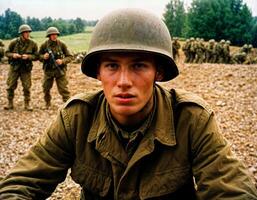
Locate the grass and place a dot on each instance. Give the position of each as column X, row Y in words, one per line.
column 75, row 42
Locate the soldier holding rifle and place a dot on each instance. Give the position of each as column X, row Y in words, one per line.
column 55, row 56
column 21, row 52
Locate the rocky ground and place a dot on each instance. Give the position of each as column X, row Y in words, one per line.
column 231, row 90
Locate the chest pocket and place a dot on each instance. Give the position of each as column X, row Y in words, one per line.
column 94, row 182
column 166, row 183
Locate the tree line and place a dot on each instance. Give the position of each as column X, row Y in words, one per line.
column 212, row 19
column 11, row 20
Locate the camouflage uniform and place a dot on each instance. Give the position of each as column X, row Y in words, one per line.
column 210, row 52
column 238, row 58
column 185, row 49
column 244, row 48
column 220, row 52
column 249, row 57
column 175, row 48
column 192, row 50
column 51, row 72
column 200, row 50
column 1, row 50
column 226, row 52
column 20, row 68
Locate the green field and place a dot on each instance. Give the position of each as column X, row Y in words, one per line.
column 75, row 42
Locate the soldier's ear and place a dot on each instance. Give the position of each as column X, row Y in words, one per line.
column 159, row 74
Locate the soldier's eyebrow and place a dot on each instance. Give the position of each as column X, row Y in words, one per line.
column 108, row 59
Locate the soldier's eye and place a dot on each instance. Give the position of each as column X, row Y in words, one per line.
column 111, row 66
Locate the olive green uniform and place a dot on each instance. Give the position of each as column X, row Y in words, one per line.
column 20, row 68
column 178, row 141
column 238, row 58
column 226, row 53
column 1, row 50
column 200, row 52
column 175, row 49
column 210, row 53
column 51, row 72
column 185, row 49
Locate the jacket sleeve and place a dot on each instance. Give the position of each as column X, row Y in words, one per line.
column 36, row 175
column 42, row 51
column 10, row 48
column 34, row 55
column 68, row 56
column 218, row 173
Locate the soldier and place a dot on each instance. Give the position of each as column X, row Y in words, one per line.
column 21, row 52
column 1, row 50
column 250, row 55
column 220, row 51
column 227, row 52
column 133, row 139
column 238, row 58
column 185, row 49
column 192, row 50
column 244, row 48
column 200, row 51
column 175, row 48
column 55, row 56
column 210, row 51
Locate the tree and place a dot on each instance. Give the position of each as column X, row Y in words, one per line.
column 254, row 32
column 175, row 17
column 9, row 24
column 34, row 23
column 79, row 25
column 46, row 22
column 220, row 19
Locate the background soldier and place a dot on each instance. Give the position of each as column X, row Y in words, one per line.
column 192, row 50
column 210, row 52
column 175, row 48
column 200, row 50
column 55, row 56
column 238, row 58
column 21, row 52
column 1, row 50
column 220, row 51
column 185, row 49
column 227, row 52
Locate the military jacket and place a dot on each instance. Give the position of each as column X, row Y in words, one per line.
column 59, row 50
column 21, row 46
column 181, row 156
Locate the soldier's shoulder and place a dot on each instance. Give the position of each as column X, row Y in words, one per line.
column 33, row 41
column 15, row 40
column 44, row 43
column 89, row 98
column 61, row 42
column 184, row 98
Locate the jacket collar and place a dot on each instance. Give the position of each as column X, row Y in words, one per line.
column 162, row 129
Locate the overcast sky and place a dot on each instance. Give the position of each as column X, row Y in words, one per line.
column 87, row 9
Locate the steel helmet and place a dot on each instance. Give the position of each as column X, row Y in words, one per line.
column 131, row 30
column 52, row 30
column 24, row 28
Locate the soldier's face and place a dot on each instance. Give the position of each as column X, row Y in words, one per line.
column 53, row 37
column 127, row 81
column 25, row 35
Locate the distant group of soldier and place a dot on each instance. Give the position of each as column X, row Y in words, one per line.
column 54, row 55
column 197, row 51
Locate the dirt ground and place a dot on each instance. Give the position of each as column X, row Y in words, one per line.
column 231, row 90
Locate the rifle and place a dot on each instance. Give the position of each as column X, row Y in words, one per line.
column 53, row 61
